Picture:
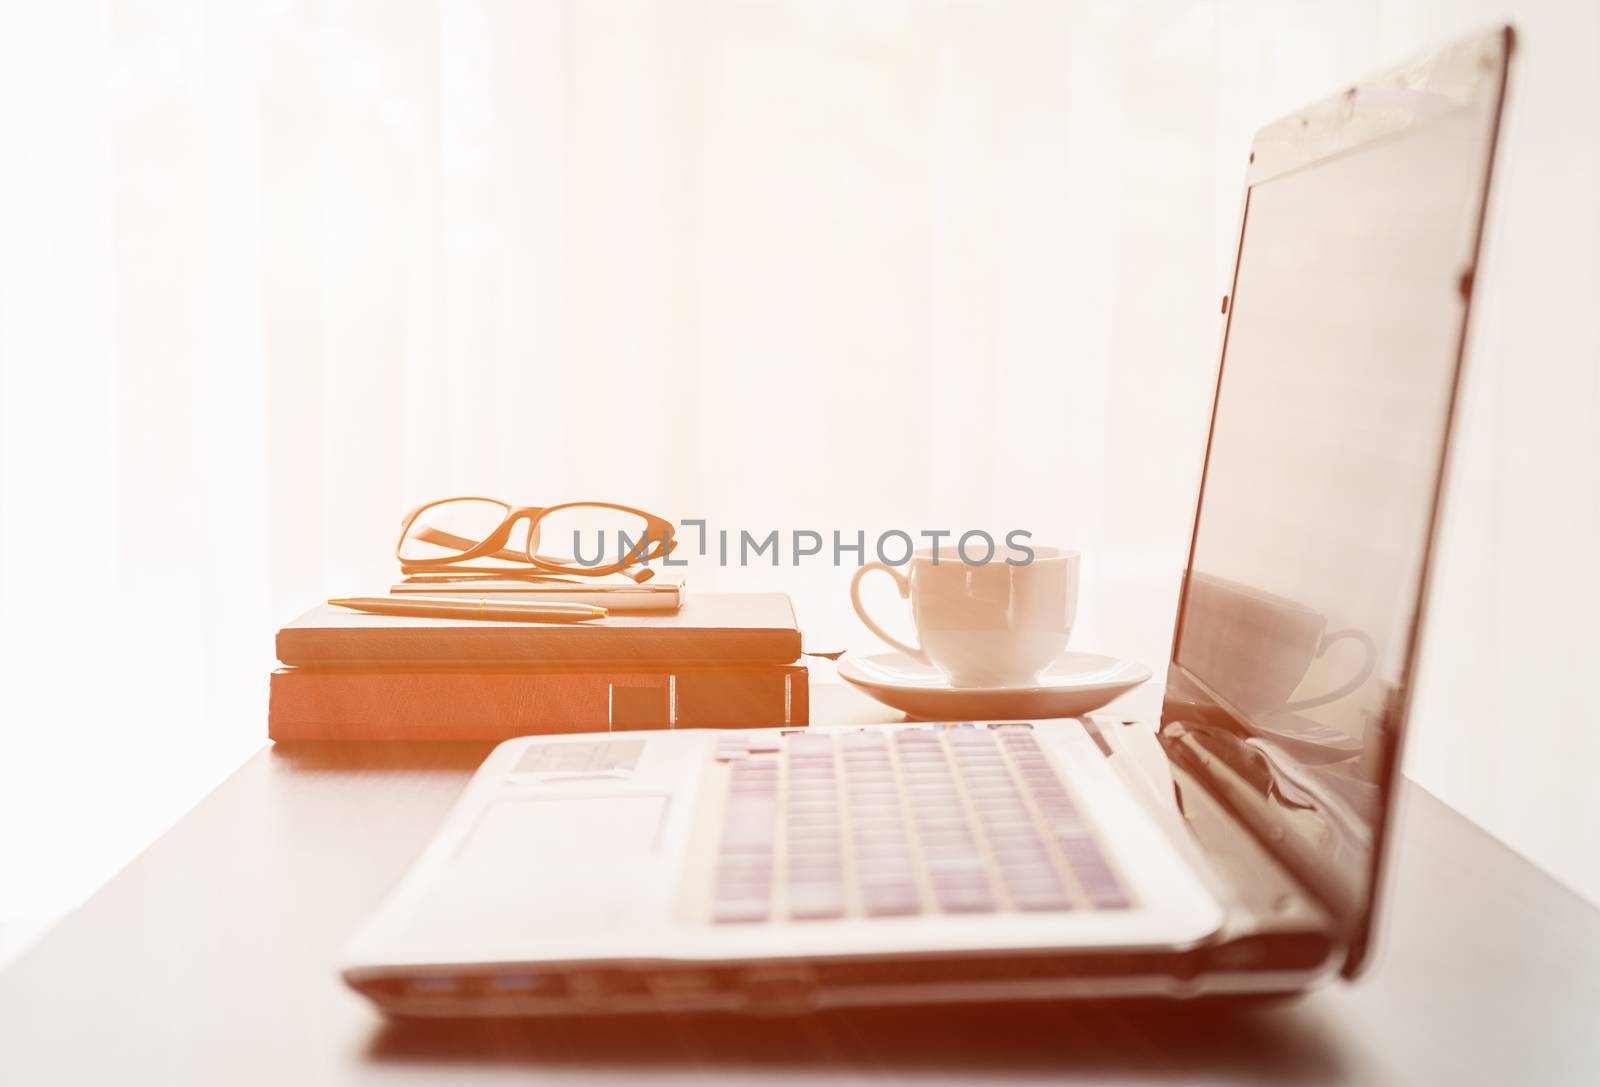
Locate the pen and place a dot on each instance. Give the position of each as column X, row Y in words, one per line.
column 446, row 608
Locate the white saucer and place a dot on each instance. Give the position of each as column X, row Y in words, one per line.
column 1074, row 684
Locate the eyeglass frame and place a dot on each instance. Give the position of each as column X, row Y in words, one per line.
column 658, row 534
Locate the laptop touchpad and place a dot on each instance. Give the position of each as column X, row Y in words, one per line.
column 541, row 860
column 565, row 834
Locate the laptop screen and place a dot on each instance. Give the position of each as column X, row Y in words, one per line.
column 1327, row 446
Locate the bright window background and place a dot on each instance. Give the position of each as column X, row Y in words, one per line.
column 273, row 273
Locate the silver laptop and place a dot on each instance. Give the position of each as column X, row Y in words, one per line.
column 1235, row 848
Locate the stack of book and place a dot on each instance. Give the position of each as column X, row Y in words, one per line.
column 718, row 660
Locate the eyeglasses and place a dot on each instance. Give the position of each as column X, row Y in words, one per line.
column 487, row 536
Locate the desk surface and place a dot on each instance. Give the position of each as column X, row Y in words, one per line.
column 207, row 961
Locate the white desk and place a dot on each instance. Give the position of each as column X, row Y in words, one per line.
column 208, row 961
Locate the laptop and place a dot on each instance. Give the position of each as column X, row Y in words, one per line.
column 1234, row 847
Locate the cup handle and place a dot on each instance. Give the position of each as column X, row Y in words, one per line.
column 903, row 583
column 1348, row 688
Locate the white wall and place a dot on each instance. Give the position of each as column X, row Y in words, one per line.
column 1510, row 713
column 273, row 273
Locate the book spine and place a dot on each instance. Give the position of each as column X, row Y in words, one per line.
column 501, row 645
column 488, row 705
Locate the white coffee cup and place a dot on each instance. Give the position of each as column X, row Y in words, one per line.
column 994, row 625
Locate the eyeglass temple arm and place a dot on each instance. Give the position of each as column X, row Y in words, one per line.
column 429, row 534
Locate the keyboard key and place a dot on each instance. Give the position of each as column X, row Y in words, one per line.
column 746, row 834
column 1040, row 896
column 890, row 900
column 816, row 901
column 1089, row 866
column 1020, row 862
column 734, row 910
column 959, row 892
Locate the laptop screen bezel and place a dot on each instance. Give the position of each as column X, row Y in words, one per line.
column 1471, row 74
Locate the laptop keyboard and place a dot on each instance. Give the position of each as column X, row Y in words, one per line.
column 901, row 822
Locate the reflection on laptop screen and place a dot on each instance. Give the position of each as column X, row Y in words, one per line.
column 1326, row 450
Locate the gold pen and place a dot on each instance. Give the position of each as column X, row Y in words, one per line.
column 497, row 610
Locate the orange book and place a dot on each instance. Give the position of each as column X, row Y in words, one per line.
column 492, row 704
column 747, row 628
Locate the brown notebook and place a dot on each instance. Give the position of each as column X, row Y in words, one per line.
column 493, row 704
column 721, row 627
